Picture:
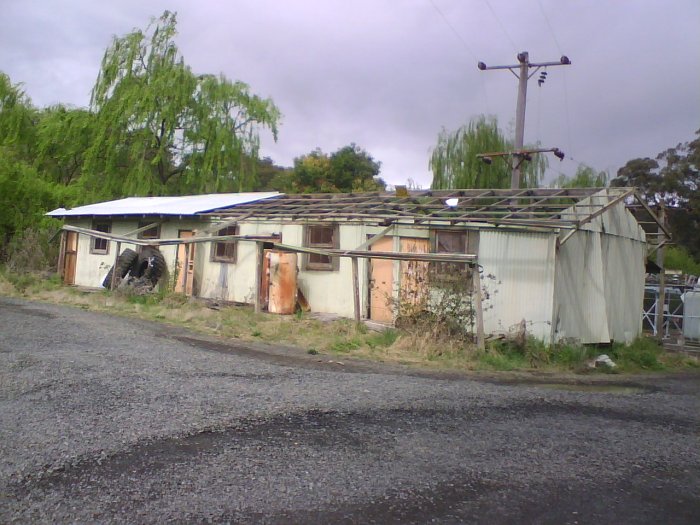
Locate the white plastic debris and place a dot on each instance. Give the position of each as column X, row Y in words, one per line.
column 603, row 360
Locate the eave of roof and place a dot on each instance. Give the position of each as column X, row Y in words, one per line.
column 164, row 206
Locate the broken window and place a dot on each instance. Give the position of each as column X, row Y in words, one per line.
column 151, row 233
column 322, row 237
column 225, row 251
column 100, row 246
column 447, row 241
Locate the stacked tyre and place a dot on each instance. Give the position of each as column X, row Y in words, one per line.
column 124, row 264
column 144, row 269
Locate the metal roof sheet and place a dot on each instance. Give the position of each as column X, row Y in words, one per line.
column 181, row 205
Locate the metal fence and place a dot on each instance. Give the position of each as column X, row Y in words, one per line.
column 673, row 310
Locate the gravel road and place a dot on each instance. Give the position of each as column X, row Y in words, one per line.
column 105, row 419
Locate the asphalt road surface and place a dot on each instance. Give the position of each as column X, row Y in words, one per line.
column 106, row 419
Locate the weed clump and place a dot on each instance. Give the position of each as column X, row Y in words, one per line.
column 644, row 353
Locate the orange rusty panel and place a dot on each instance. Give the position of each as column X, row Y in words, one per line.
column 283, row 282
column 185, row 264
column 381, row 283
column 70, row 258
column 414, row 275
column 265, row 281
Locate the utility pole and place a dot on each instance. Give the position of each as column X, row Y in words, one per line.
column 523, row 75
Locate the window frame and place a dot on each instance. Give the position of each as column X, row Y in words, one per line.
column 142, row 235
column 95, row 240
column 469, row 245
column 227, row 259
column 333, row 264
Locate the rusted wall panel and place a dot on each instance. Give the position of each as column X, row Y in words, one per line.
column 282, row 296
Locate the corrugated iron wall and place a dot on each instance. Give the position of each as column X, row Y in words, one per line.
column 580, row 300
column 599, row 288
column 623, row 272
column 518, row 280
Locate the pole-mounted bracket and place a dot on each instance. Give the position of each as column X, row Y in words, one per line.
column 522, row 155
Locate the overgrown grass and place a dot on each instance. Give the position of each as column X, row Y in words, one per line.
column 28, row 282
column 425, row 345
column 642, row 355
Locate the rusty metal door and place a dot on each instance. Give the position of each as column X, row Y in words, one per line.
column 185, row 264
column 70, row 258
column 381, row 283
column 414, row 277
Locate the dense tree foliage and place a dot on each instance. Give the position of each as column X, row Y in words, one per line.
column 63, row 137
column 348, row 169
column 153, row 128
column 454, row 163
column 162, row 129
column 678, row 258
column 17, row 118
column 272, row 177
column 585, row 177
column 674, row 179
column 25, row 193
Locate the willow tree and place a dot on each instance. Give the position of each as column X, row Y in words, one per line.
column 162, row 129
column 63, row 136
column 25, row 193
column 585, row 177
column 17, row 116
column 455, row 164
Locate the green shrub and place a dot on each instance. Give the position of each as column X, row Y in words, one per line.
column 536, row 352
column 382, row 339
column 678, row 258
column 22, row 281
column 342, row 346
column 502, row 361
column 644, row 353
column 571, row 356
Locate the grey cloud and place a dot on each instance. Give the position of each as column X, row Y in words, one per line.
column 388, row 75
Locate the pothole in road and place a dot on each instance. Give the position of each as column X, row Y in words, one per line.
column 599, row 389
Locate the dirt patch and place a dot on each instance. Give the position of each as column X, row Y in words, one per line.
column 597, row 389
column 27, row 310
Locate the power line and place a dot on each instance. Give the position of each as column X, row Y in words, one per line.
column 566, row 112
column 570, row 145
column 551, row 30
column 503, row 28
column 456, row 33
column 466, row 46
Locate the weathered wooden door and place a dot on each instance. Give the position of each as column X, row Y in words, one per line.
column 381, row 283
column 185, row 264
column 413, row 294
column 70, row 257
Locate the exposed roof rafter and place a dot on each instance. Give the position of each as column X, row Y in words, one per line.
column 528, row 208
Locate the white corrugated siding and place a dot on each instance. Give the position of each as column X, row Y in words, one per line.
column 600, row 276
column 617, row 220
column 623, row 272
column 518, row 279
column 599, row 288
column 580, row 298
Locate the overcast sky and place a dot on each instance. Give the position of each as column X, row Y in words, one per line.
column 389, row 74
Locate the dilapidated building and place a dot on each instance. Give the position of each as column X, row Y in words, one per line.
column 569, row 262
